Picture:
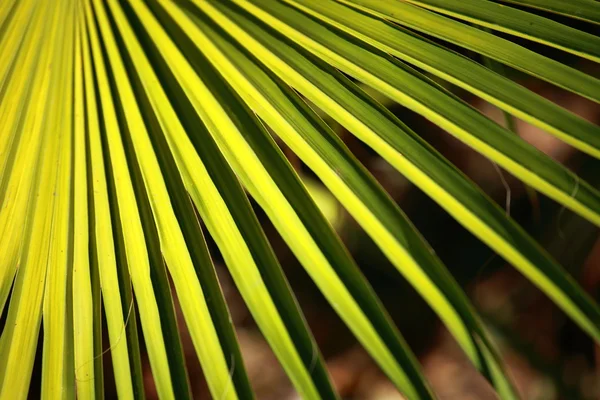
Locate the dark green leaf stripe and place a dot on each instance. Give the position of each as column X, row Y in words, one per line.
column 278, row 208
column 463, row 72
column 233, row 198
column 383, row 73
column 519, row 23
column 114, row 279
column 586, row 10
column 193, row 234
column 128, row 126
column 298, row 198
column 484, row 43
column 296, row 124
column 502, row 241
column 132, row 245
column 158, row 274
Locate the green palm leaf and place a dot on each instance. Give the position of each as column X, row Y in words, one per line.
column 127, row 124
column 519, row 23
column 482, row 42
column 585, row 10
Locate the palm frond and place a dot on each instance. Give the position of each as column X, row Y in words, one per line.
column 585, row 10
column 519, row 23
column 125, row 125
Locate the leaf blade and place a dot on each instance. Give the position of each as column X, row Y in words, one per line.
column 462, row 72
column 503, row 243
column 484, row 43
column 586, row 10
column 224, row 208
column 519, row 23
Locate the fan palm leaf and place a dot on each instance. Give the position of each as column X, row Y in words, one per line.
column 124, row 125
